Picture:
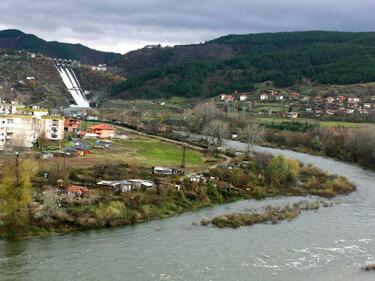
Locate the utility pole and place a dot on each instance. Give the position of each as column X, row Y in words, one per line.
column 183, row 161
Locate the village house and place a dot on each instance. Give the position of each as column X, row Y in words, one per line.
column 367, row 105
column 330, row 99
column 229, row 98
column 78, row 191
column 164, row 171
column 99, row 67
column 294, row 96
column 264, row 96
column 330, row 111
column 279, row 97
column 354, row 100
column 72, row 125
column 292, row 115
column 103, row 131
column 121, row 186
column 243, row 97
column 341, row 99
column 198, row 179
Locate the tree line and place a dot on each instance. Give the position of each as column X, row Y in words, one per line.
column 346, row 59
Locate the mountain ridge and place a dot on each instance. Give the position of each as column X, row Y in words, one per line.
column 14, row 39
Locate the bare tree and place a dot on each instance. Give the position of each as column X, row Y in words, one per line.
column 217, row 129
column 252, row 134
column 198, row 117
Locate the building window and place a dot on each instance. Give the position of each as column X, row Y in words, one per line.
column 10, row 121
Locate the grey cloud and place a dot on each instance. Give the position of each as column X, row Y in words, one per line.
column 121, row 25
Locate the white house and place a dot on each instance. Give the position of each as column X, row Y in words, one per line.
column 243, row 97
column 264, row 96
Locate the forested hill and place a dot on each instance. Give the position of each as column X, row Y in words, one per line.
column 237, row 62
column 16, row 40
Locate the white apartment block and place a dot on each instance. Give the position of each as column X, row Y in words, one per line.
column 21, row 126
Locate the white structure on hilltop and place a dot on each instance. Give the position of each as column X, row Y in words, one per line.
column 99, row 67
column 22, row 126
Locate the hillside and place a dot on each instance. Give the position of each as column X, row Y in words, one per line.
column 17, row 40
column 238, row 62
column 36, row 80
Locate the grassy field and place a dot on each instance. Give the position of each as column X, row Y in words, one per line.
column 138, row 150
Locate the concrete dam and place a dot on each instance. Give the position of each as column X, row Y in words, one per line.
column 71, row 82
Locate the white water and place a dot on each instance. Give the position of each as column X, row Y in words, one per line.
column 71, row 82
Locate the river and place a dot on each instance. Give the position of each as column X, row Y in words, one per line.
column 330, row 244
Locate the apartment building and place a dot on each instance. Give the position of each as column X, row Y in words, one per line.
column 21, row 126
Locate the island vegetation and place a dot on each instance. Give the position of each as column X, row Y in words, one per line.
column 35, row 205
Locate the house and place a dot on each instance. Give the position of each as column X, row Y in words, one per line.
column 197, row 178
column 234, row 135
column 292, row 115
column 103, row 131
column 226, row 98
column 294, row 96
column 354, row 100
column 349, row 110
column 72, row 125
column 138, row 183
column 279, row 97
column 121, row 186
column 330, row 112
column 243, row 97
column 367, row 105
column 308, row 109
column 163, row 171
column 264, row 96
column 77, row 190
column 229, row 98
column 330, row 99
column 99, row 67
column 341, row 99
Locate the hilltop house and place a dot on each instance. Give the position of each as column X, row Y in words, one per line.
column 243, row 97
column 226, row 98
column 264, row 96
column 341, row 99
column 354, row 100
column 292, row 115
column 294, row 96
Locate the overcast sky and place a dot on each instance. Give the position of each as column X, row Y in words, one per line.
column 123, row 25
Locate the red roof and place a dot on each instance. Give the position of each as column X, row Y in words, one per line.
column 101, row 127
column 77, row 189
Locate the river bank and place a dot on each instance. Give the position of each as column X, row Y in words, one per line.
column 258, row 177
column 332, row 244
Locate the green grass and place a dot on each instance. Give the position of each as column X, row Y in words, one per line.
column 163, row 152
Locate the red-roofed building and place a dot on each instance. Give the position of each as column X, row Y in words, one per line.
column 103, row 131
column 72, row 125
column 77, row 190
column 294, row 96
column 341, row 99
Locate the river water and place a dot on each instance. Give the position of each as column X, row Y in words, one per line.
column 330, row 244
